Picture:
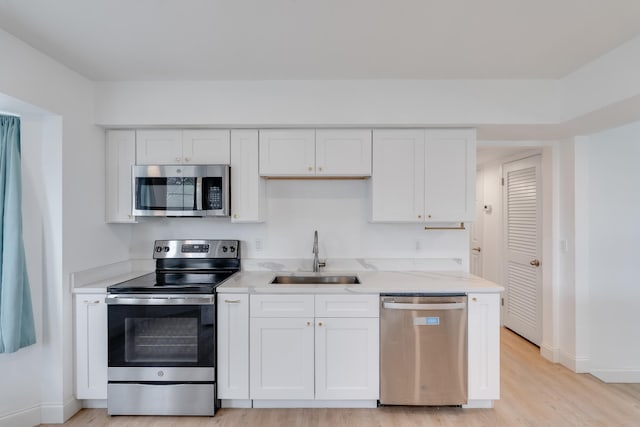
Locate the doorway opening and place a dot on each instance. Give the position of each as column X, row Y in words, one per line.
column 506, row 240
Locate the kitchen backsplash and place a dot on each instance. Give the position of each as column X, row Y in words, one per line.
column 338, row 209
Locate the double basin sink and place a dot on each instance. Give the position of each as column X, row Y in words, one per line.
column 315, row 280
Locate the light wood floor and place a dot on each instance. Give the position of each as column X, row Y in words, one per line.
column 534, row 392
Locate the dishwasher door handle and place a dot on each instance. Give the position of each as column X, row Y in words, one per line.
column 435, row 306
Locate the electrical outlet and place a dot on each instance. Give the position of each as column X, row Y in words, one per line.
column 418, row 246
column 259, row 245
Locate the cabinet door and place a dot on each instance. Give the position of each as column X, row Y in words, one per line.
column 91, row 346
column 484, row 346
column 233, row 346
column 287, row 152
column 343, row 152
column 450, row 165
column 206, row 147
column 121, row 156
column 347, row 358
column 397, row 182
column 248, row 191
column 282, row 358
column 158, row 147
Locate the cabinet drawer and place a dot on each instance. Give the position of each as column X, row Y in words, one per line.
column 347, row 306
column 281, row 306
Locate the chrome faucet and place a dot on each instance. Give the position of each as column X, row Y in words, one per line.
column 316, row 262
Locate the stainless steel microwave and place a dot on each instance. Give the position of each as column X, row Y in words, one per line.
column 181, row 190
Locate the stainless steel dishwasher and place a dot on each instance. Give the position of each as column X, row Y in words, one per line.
column 423, row 349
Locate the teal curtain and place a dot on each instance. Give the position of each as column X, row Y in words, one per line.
column 17, row 329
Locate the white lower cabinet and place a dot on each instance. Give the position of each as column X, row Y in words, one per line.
column 347, row 366
column 233, row 346
column 301, row 357
column 326, row 348
column 282, row 358
column 483, row 332
column 91, row 345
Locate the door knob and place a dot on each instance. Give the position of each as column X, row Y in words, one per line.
column 535, row 263
column 476, row 249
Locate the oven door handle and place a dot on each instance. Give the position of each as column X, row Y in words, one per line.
column 160, row 300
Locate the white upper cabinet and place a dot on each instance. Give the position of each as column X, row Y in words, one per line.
column 311, row 153
column 287, row 152
column 158, row 147
column 450, row 164
column 120, row 156
column 343, row 152
column 248, row 201
column 423, row 175
column 171, row 146
column 397, row 182
column 206, row 146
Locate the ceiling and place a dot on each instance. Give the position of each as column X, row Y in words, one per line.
column 322, row 39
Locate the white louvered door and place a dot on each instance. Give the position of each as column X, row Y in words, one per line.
column 522, row 232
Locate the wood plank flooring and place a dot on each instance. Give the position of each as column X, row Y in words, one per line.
column 535, row 392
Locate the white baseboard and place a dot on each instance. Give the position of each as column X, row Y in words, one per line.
column 617, row 375
column 549, row 353
column 45, row 413
column 235, row 403
column 478, row 404
column 56, row 413
column 315, row 403
column 27, row 417
column 579, row 365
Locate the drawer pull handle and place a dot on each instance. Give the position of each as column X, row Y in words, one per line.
column 232, row 301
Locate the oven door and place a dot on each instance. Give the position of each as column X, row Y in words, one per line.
column 161, row 331
column 161, row 354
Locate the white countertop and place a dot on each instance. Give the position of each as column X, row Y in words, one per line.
column 403, row 278
column 373, row 282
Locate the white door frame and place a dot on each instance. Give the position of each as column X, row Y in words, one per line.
column 549, row 346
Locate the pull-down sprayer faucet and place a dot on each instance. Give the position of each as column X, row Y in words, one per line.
column 316, row 261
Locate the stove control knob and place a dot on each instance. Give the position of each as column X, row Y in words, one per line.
column 224, row 249
column 232, row 249
column 166, row 248
column 160, row 373
column 158, row 248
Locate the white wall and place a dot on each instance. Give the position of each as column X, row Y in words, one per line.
column 492, row 222
column 566, row 256
column 336, row 102
column 610, row 79
column 63, row 159
column 610, row 162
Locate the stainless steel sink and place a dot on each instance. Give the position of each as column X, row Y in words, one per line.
column 316, row 280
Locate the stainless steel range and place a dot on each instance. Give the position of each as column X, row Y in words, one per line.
column 162, row 330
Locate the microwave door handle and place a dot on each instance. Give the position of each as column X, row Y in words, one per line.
column 199, row 193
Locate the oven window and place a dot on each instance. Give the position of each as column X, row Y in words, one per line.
column 161, row 340
column 161, row 335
